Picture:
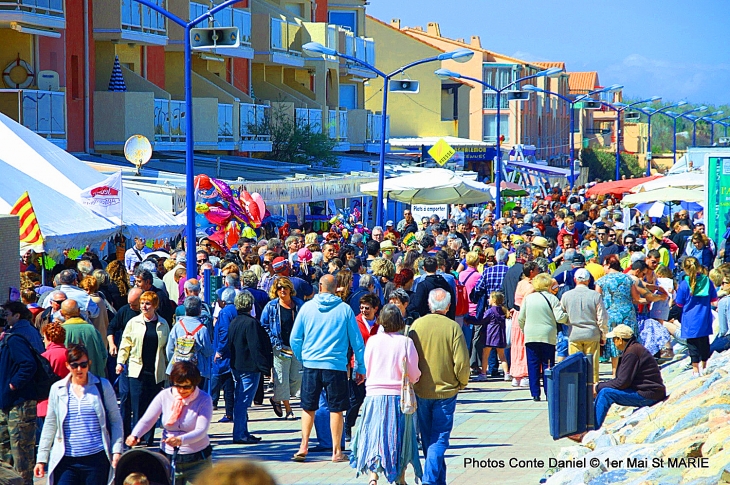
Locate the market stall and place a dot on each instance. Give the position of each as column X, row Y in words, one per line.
column 617, row 187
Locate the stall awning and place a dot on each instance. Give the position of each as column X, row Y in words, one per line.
column 618, row 187
column 541, row 169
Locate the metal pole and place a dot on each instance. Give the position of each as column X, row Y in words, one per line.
column 572, row 147
column 618, row 144
column 712, row 132
column 189, row 158
column 381, row 165
column 674, row 144
column 498, row 168
column 694, row 133
column 648, row 148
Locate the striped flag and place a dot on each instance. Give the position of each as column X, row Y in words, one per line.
column 30, row 230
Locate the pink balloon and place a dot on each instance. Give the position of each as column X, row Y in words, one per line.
column 217, row 215
column 259, row 202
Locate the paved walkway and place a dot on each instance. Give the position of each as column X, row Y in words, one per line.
column 493, row 422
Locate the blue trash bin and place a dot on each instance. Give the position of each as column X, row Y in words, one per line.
column 570, row 396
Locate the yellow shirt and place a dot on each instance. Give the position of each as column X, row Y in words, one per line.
column 596, row 270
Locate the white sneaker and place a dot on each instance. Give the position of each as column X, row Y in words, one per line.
column 515, row 382
column 507, row 377
column 696, row 374
column 525, row 382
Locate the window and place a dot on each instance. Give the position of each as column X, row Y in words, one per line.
column 490, row 127
column 295, row 9
column 499, row 77
column 348, row 96
column 345, row 18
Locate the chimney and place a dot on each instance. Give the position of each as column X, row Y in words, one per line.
column 395, row 23
column 461, row 40
column 434, row 29
column 476, row 41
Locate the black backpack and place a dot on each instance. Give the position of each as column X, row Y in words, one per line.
column 44, row 376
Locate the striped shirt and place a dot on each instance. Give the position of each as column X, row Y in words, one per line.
column 81, row 428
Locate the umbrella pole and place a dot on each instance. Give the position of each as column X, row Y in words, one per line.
column 43, row 269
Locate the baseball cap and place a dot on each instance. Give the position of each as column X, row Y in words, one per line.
column 389, row 224
column 579, row 260
column 280, row 265
column 621, row 331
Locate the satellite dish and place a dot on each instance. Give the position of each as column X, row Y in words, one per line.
column 138, row 151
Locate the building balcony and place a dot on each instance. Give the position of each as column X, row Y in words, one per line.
column 43, row 112
column 129, row 21
column 361, row 48
column 277, row 40
column 254, row 128
column 26, row 14
column 337, row 128
column 311, row 117
column 228, row 17
column 373, row 134
column 322, row 33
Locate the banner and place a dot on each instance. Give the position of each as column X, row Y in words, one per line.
column 717, row 209
column 105, row 197
column 419, row 210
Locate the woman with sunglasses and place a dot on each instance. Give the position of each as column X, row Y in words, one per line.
column 186, row 412
column 142, row 350
column 82, row 435
column 278, row 320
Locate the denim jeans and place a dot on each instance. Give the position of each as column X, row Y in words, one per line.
column 540, row 356
column 224, row 381
column 720, row 344
column 84, row 470
column 125, row 404
column 246, row 385
column 435, row 420
column 608, row 396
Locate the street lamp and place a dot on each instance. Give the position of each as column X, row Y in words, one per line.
column 445, row 73
column 694, row 120
column 192, row 269
column 649, row 112
column 720, row 121
column 675, row 117
column 571, row 103
column 620, row 108
column 316, row 49
column 708, row 119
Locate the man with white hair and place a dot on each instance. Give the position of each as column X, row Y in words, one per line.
column 587, row 318
column 444, row 363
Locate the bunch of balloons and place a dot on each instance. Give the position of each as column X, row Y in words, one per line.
column 225, row 215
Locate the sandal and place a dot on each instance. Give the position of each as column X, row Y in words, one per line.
column 373, row 482
column 340, row 459
column 290, row 416
column 277, row 407
column 299, row 457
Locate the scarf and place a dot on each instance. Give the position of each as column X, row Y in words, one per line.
column 702, row 286
column 179, row 404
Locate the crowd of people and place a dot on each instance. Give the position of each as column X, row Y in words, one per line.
column 373, row 333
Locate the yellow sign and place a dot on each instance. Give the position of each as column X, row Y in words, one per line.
column 441, row 152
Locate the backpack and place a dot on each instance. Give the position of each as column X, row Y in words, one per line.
column 44, row 376
column 463, row 297
column 185, row 345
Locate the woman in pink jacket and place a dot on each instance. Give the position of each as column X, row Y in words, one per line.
column 385, row 441
column 54, row 338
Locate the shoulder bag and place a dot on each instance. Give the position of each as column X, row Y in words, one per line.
column 408, row 404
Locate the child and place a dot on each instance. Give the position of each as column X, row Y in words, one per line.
column 136, row 479
column 660, row 309
column 495, row 334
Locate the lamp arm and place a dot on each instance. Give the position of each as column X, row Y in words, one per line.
column 410, row 65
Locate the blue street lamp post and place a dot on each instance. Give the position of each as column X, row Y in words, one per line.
column 445, row 73
column 459, row 55
column 192, row 269
column 708, row 119
column 649, row 114
column 675, row 117
column 619, row 108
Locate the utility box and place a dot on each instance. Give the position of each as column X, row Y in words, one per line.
column 9, row 255
column 570, row 396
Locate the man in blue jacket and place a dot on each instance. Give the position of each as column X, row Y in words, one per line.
column 323, row 331
column 222, row 377
column 17, row 397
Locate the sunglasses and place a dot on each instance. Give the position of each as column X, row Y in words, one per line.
column 365, row 308
column 279, row 288
column 201, row 261
column 58, row 301
column 76, row 365
column 185, row 387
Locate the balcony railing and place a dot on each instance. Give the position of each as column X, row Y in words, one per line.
column 343, row 125
column 309, row 117
column 490, row 100
column 228, row 17
column 138, row 17
column 283, row 36
column 225, row 122
column 332, row 124
column 53, row 8
column 43, row 112
column 598, row 131
column 365, row 50
column 349, row 44
column 375, row 128
column 169, row 120
column 254, row 121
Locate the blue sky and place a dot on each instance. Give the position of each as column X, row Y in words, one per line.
column 679, row 50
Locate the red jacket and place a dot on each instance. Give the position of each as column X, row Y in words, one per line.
column 364, row 332
column 564, row 231
column 56, row 355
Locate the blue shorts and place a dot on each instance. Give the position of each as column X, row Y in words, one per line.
column 334, row 382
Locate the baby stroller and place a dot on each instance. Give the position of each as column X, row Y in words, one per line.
column 155, row 466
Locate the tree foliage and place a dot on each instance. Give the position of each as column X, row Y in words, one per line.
column 296, row 142
column 602, row 164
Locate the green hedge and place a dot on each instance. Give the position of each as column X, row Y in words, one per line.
column 602, row 164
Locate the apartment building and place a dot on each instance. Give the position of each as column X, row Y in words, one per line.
column 60, row 56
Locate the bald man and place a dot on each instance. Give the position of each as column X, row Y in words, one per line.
column 79, row 331
column 323, row 330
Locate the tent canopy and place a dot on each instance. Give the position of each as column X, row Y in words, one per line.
column 690, row 180
column 664, row 195
column 432, row 186
column 618, row 187
column 56, row 170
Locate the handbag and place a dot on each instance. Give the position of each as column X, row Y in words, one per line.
column 408, row 404
column 508, row 331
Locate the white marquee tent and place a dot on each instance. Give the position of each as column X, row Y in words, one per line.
column 54, row 180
